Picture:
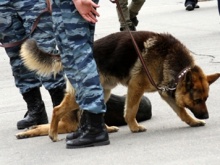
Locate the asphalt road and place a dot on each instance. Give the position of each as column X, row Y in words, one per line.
column 168, row 141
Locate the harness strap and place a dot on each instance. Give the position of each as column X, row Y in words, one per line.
column 17, row 43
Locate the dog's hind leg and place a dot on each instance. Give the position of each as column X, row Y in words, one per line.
column 67, row 105
column 68, row 123
column 38, row 130
column 182, row 113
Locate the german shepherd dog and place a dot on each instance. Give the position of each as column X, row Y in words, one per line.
column 169, row 62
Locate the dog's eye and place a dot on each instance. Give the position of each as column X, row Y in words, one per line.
column 198, row 101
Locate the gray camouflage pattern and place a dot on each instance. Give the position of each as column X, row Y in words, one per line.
column 75, row 38
column 16, row 20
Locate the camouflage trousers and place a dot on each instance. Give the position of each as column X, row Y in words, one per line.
column 75, row 38
column 16, row 20
column 129, row 11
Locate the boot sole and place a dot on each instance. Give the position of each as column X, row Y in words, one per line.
column 24, row 126
column 19, row 127
column 89, row 145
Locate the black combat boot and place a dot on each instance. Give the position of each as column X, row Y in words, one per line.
column 79, row 131
column 36, row 113
column 131, row 28
column 114, row 115
column 93, row 133
column 134, row 21
column 57, row 95
column 129, row 25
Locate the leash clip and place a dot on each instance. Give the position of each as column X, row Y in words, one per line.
column 166, row 89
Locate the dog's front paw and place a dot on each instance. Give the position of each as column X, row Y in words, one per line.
column 197, row 123
column 138, row 128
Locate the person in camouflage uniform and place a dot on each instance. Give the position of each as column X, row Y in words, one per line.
column 130, row 13
column 16, row 20
column 74, row 23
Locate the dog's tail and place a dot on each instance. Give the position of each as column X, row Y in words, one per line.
column 37, row 60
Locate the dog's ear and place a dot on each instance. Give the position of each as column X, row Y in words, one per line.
column 212, row 78
column 188, row 80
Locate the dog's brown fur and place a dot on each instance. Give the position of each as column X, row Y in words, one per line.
column 117, row 61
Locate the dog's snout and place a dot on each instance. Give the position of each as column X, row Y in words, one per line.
column 206, row 116
column 203, row 116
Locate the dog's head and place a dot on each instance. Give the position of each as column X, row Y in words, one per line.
column 193, row 91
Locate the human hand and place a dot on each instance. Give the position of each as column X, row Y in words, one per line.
column 87, row 9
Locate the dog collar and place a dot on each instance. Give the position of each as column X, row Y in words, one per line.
column 170, row 89
column 182, row 73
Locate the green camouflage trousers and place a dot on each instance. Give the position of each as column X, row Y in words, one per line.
column 129, row 11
